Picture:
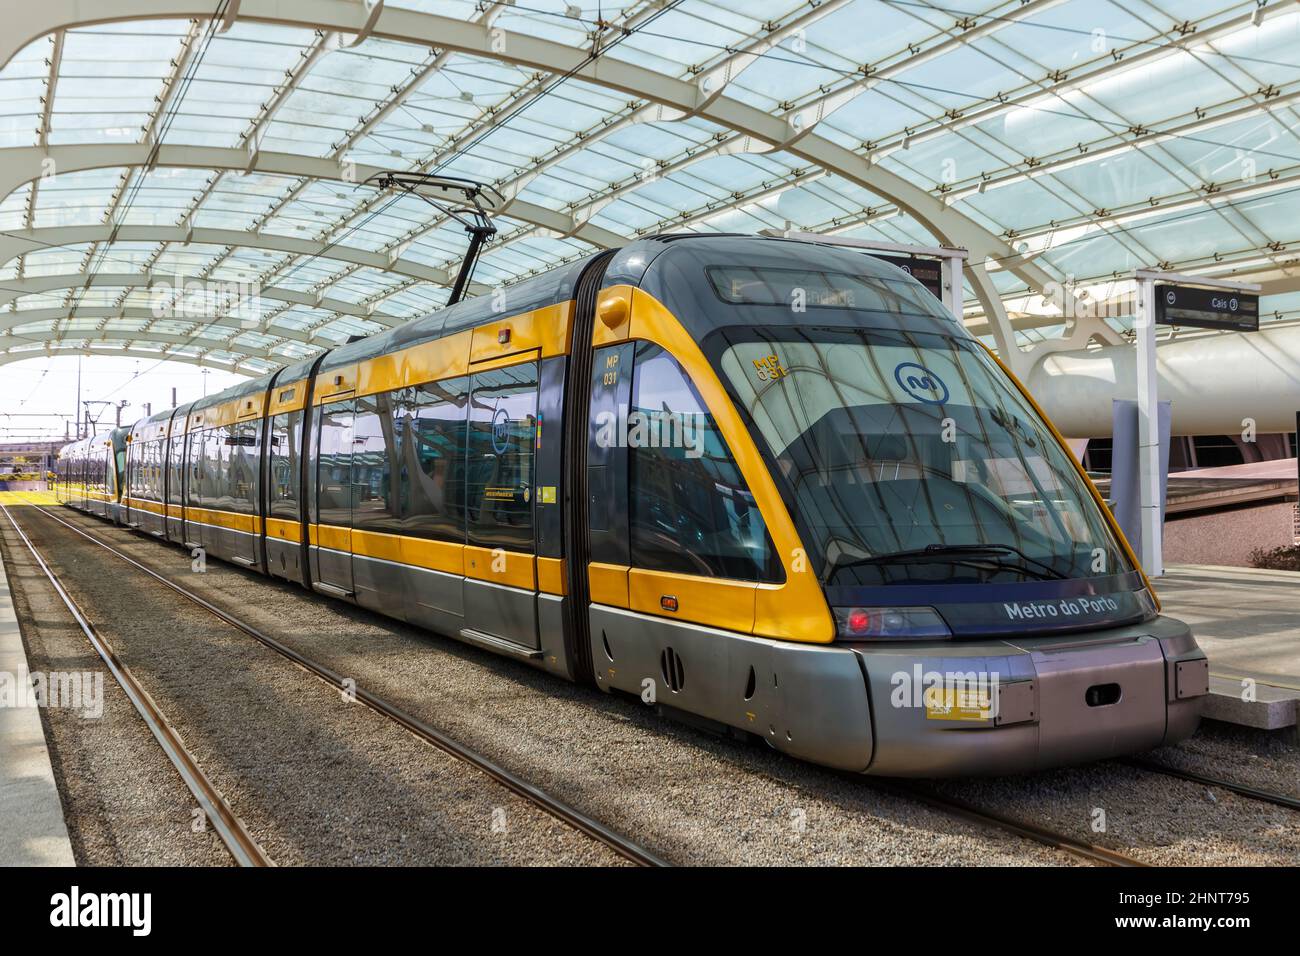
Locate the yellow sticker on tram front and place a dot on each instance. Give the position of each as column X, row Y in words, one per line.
column 958, row 703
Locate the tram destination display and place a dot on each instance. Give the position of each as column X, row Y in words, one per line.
column 1207, row 308
column 928, row 272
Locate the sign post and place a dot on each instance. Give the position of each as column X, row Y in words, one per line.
column 1227, row 309
column 1170, row 298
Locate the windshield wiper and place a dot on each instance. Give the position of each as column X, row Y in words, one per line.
column 1027, row 565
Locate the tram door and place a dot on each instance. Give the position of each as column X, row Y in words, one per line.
column 607, row 462
column 592, row 382
column 193, row 490
column 175, row 450
column 332, row 533
column 500, row 564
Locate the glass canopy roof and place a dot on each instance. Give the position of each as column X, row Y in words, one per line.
column 1062, row 141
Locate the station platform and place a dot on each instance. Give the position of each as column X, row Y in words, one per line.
column 1246, row 621
column 32, row 831
column 30, row 496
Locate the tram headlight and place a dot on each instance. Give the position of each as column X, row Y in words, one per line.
column 890, row 624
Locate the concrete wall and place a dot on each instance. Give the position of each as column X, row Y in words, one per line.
column 1228, row 537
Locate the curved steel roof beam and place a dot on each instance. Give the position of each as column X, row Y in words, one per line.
column 158, row 338
column 13, row 289
column 24, row 164
column 27, row 241
column 14, row 320
column 203, row 360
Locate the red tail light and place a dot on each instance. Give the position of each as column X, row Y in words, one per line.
column 889, row 624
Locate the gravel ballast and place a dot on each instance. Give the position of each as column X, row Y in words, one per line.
column 317, row 779
column 123, row 801
column 1267, row 759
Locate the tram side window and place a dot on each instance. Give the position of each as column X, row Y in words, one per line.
column 691, row 511
column 137, row 470
column 223, row 459
column 430, row 423
column 173, row 450
column 374, row 454
column 160, row 469
column 159, row 464
column 334, row 464
column 219, row 449
column 212, row 480
column 286, row 441
column 194, row 489
column 146, row 470
column 140, row 484
column 240, row 457
column 217, row 460
column 499, row 469
column 153, row 489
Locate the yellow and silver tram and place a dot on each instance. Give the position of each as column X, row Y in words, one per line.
column 772, row 484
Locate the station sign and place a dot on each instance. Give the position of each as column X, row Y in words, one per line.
column 928, row 272
column 1207, row 308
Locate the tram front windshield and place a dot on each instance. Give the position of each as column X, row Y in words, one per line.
column 911, row 458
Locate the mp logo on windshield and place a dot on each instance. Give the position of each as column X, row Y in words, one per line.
column 920, row 383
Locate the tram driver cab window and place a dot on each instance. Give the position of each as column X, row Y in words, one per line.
column 690, row 509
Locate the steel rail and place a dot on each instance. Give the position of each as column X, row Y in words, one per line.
column 623, row 846
column 229, row 827
column 1254, row 793
column 1021, row 828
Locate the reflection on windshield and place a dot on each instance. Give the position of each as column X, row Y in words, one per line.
column 904, row 451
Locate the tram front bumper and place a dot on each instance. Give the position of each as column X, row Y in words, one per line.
column 996, row 707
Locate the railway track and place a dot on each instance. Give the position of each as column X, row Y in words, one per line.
column 626, row 848
column 1029, row 831
column 1079, row 848
column 950, row 806
column 622, row 845
column 1241, row 789
column 228, row 826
